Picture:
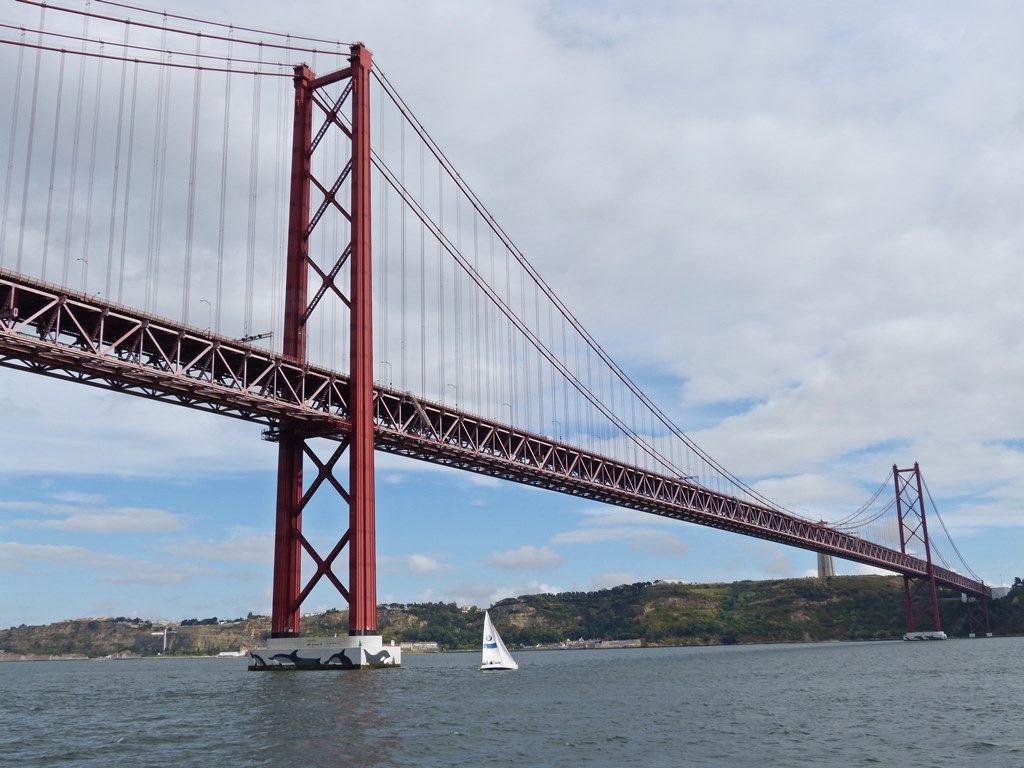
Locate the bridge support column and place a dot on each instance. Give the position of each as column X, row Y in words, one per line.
column 362, row 606
column 284, row 619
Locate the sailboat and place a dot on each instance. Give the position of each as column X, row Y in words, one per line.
column 495, row 654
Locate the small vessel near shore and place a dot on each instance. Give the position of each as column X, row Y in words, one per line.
column 495, row 654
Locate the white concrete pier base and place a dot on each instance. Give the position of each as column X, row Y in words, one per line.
column 309, row 653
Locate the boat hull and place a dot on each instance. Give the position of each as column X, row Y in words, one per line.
column 318, row 653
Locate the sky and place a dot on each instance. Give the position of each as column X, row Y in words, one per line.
column 797, row 225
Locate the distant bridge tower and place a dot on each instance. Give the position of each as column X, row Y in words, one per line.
column 977, row 616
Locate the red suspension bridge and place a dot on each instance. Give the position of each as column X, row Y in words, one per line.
column 126, row 163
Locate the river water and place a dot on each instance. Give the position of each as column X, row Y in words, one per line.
column 957, row 702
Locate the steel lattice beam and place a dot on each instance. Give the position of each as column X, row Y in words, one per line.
column 234, row 379
column 72, row 336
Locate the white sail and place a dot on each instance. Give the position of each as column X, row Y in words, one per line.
column 495, row 654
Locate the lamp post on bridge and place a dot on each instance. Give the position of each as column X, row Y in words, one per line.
column 209, row 313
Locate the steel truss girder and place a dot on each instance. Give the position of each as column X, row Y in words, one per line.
column 73, row 336
column 432, row 432
column 248, row 383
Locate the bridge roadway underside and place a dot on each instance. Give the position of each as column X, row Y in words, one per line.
column 49, row 330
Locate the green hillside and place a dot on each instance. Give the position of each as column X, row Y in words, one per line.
column 788, row 610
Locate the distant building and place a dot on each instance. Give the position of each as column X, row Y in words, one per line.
column 997, row 592
column 421, row 647
column 635, row 643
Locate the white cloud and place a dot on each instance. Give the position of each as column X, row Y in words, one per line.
column 526, row 557
column 609, row 579
column 156, row 576
column 110, row 520
column 484, row 481
column 484, row 595
column 665, row 544
column 594, row 535
column 780, row 566
column 241, row 545
column 646, row 533
column 416, row 564
column 138, row 437
column 860, row 569
column 611, row 516
column 77, row 497
column 16, row 556
column 480, row 594
column 423, row 565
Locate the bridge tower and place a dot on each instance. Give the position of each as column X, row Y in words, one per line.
column 920, row 594
column 364, row 646
column 977, row 620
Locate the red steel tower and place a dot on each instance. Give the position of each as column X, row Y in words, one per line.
column 356, row 436
column 919, row 592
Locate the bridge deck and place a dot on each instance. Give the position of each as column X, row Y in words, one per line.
column 52, row 331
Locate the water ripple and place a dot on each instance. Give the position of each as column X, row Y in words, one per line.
column 833, row 704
